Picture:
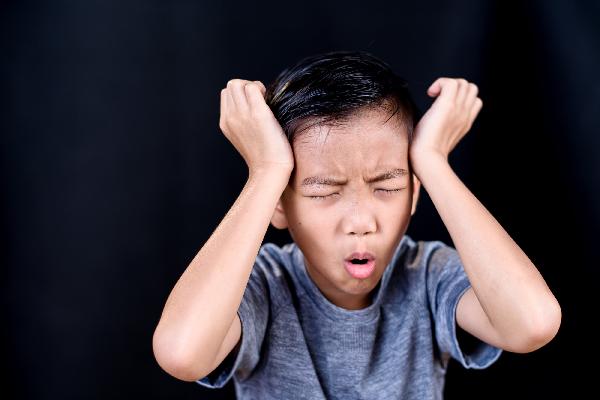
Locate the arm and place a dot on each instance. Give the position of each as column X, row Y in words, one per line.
column 509, row 304
column 203, row 304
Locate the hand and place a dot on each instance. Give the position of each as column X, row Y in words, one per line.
column 249, row 124
column 448, row 119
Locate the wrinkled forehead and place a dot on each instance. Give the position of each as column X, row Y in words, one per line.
column 354, row 147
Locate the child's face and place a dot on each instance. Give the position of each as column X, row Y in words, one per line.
column 356, row 215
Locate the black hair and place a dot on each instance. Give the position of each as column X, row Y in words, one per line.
column 329, row 88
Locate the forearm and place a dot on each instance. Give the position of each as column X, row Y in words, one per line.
column 509, row 288
column 203, row 303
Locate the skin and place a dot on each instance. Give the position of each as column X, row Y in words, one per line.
column 329, row 222
column 508, row 306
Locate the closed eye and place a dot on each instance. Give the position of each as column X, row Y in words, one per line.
column 322, row 197
column 390, row 190
column 386, row 191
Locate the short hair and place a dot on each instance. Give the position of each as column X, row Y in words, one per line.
column 329, row 88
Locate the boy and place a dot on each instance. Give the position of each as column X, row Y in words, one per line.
column 353, row 308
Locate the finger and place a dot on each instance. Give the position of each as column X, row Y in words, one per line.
column 263, row 89
column 475, row 108
column 472, row 92
column 224, row 108
column 229, row 101
column 238, row 95
column 444, row 87
column 435, row 88
column 223, row 100
column 461, row 91
column 254, row 95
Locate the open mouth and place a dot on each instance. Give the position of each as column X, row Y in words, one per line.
column 358, row 257
column 359, row 261
column 360, row 265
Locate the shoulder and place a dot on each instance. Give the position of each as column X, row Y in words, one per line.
column 419, row 265
column 272, row 271
column 274, row 254
column 422, row 254
column 272, row 261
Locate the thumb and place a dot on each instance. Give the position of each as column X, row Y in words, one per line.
column 435, row 89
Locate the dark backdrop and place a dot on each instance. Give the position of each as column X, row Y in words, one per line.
column 114, row 171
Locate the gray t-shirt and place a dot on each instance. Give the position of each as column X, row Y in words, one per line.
column 296, row 344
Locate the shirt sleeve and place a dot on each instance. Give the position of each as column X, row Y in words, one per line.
column 254, row 314
column 446, row 283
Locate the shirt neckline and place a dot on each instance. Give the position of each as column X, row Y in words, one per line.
column 334, row 312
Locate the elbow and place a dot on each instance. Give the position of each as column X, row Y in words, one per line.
column 542, row 329
column 173, row 359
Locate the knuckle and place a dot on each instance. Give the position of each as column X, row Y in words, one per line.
column 462, row 81
column 453, row 82
column 233, row 82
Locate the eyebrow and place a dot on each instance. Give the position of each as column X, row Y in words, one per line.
column 319, row 180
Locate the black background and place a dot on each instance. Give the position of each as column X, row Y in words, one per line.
column 114, row 171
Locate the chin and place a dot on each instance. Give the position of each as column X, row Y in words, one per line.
column 363, row 286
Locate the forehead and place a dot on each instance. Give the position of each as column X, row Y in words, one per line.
column 363, row 144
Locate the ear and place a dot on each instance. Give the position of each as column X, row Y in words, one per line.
column 416, row 190
column 279, row 219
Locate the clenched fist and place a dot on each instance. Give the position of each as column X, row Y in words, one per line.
column 249, row 124
column 448, row 119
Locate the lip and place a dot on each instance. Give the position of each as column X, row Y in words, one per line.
column 360, row 271
column 360, row 256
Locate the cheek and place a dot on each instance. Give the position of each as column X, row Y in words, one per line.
column 310, row 220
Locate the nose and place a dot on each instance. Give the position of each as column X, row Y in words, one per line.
column 360, row 220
